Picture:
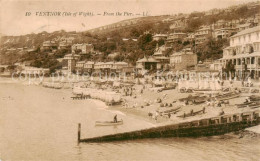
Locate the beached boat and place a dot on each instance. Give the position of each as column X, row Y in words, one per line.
column 52, row 85
column 254, row 98
column 227, row 96
column 170, row 111
column 109, row 123
column 194, row 99
column 255, row 104
column 192, row 113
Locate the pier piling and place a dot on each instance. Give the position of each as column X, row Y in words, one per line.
column 79, row 131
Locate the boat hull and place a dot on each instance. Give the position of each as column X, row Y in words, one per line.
column 108, row 123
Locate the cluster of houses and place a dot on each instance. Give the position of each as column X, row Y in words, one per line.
column 82, row 48
column 158, row 61
column 219, row 30
column 243, row 53
column 81, row 67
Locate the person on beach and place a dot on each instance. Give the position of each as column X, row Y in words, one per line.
column 156, row 116
column 115, row 118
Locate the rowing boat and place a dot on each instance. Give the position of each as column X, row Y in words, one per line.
column 108, row 123
column 166, row 112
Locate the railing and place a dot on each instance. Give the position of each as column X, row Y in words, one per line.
column 239, row 66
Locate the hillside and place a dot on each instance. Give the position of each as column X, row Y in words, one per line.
column 131, row 39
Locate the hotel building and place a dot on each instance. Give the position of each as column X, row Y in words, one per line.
column 244, row 52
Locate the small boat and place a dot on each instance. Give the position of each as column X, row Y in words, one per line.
column 192, row 113
column 227, row 96
column 254, row 98
column 109, row 123
column 171, row 111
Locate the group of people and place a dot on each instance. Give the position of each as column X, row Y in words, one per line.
column 128, row 91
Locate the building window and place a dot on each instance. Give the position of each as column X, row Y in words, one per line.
column 249, row 37
column 248, row 61
column 251, row 49
column 257, row 35
column 253, row 60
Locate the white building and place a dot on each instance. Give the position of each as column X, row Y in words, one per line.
column 216, row 65
column 223, row 33
column 83, row 48
column 159, row 36
column 174, row 37
column 244, row 52
column 72, row 59
column 89, row 66
column 202, row 34
column 35, row 71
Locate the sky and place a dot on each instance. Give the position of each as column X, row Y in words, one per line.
column 13, row 19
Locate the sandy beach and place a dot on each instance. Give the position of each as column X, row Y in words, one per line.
column 144, row 100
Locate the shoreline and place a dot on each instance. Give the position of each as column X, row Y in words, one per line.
column 148, row 96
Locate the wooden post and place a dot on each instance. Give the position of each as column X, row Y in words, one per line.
column 79, row 131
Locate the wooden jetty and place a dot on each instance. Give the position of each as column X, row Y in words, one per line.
column 204, row 127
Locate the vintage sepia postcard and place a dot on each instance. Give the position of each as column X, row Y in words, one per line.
column 134, row 80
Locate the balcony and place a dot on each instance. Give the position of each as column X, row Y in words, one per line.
column 249, row 66
column 240, row 67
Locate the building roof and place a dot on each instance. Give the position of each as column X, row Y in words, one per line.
column 221, row 29
column 242, row 55
column 161, row 57
column 204, row 28
column 75, row 55
column 99, row 63
column 182, row 53
column 244, row 25
column 149, row 59
column 160, row 35
column 80, row 62
column 90, row 62
column 108, row 63
column 247, row 31
column 70, row 55
column 178, row 33
column 121, row 63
